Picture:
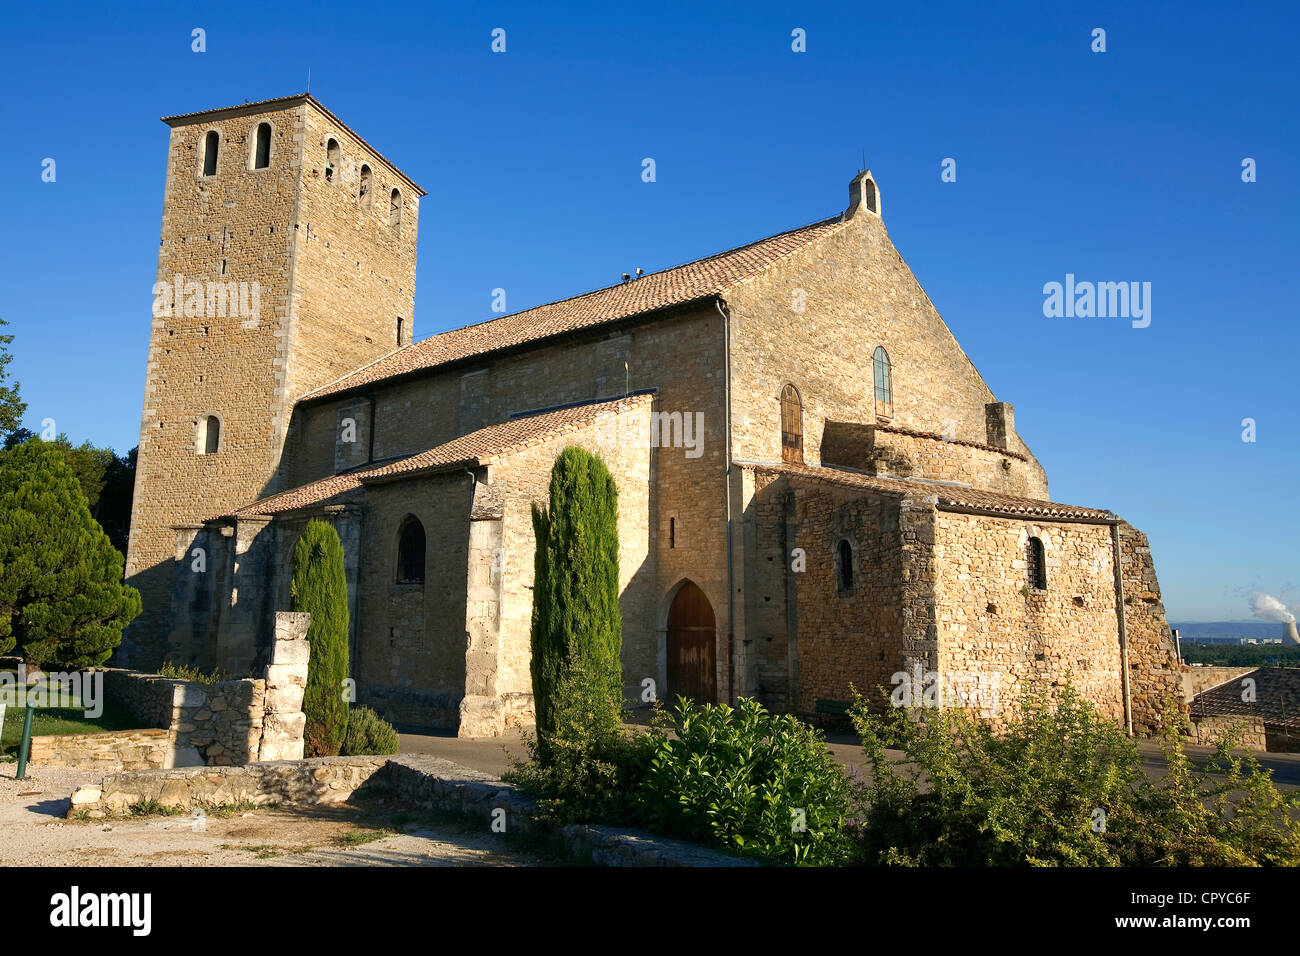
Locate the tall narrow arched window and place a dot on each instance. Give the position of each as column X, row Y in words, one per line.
column 211, row 144
column 262, row 146
column 367, row 181
column 332, row 158
column 410, row 551
column 209, row 438
column 791, row 425
column 1036, row 564
column 400, row 322
column 884, row 383
column 846, row 565
column 395, row 209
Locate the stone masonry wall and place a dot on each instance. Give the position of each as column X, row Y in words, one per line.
column 856, row 293
column 883, row 451
column 622, row 440
column 681, row 356
column 332, row 278
column 1152, row 654
column 119, row 750
column 992, row 623
column 846, row 635
column 232, row 722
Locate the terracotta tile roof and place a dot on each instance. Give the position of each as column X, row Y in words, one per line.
column 691, row 282
column 1277, row 697
column 497, row 441
column 334, row 490
column 948, row 497
column 478, row 448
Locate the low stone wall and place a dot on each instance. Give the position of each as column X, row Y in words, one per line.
column 1212, row 728
column 426, row 782
column 234, row 722
column 436, row 784
column 322, row 780
column 120, row 750
column 1197, row 679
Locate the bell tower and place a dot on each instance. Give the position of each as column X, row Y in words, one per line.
column 286, row 259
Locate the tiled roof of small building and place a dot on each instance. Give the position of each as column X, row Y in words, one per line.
column 1277, row 697
column 478, row 448
column 948, row 497
column 680, row 285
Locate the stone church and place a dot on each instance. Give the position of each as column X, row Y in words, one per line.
column 817, row 488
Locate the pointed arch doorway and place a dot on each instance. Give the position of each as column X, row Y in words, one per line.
column 692, row 645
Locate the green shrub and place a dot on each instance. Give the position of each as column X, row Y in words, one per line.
column 591, row 767
column 1060, row 786
column 1228, row 813
column 189, row 673
column 760, row 784
column 319, row 586
column 974, row 797
column 368, row 733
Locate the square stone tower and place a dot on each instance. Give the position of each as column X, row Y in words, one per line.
column 286, row 259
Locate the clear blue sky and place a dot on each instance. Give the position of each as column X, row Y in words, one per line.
column 1123, row 165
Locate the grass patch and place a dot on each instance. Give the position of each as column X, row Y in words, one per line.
column 188, row 673
column 152, row 808
column 56, row 721
column 362, row 837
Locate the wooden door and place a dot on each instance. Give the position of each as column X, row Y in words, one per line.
column 692, row 646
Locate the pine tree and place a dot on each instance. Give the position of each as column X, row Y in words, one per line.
column 319, row 586
column 12, row 407
column 577, row 627
column 62, row 599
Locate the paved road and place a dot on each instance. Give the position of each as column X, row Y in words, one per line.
column 492, row 754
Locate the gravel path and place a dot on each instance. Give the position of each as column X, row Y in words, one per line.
column 33, row 832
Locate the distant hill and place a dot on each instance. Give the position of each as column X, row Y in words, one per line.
column 1227, row 630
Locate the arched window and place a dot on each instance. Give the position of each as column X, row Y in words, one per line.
column 410, row 552
column 1036, row 564
column 332, row 157
column 395, row 209
column 209, row 435
column 211, row 144
column 367, row 177
column 884, row 385
column 791, row 425
column 869, row 195
column 262, row 146
column 846, row 566
column 400, row 323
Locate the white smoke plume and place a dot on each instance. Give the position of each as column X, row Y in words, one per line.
column 1269, row 608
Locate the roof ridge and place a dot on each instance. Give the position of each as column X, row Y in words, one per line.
column 677, row 286
column 619, row 285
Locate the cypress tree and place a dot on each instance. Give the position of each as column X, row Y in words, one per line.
column 62, row 599
column 319, row 586
column 577, row 627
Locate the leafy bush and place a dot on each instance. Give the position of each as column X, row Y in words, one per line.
column 319, row 586
column 368, row 733
column 591, row 767
column 188, row 673
column 973, row 797
column 756, row 783
column 1061, row 786
column 1227, row 813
